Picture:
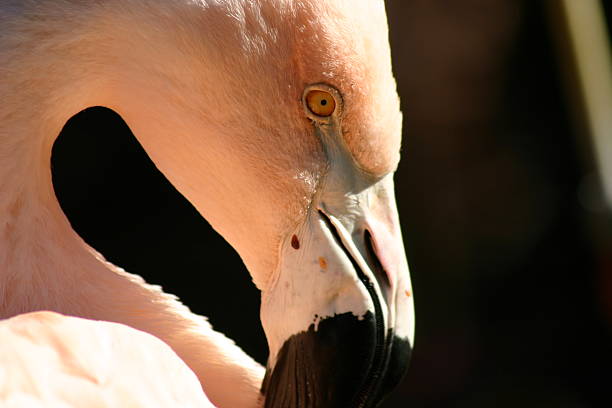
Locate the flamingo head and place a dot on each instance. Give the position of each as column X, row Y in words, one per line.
column 282, row 127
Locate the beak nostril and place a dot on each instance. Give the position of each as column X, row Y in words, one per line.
column 372, row 252
column 370, row 248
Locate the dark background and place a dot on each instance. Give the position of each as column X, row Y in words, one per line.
column 508, row 243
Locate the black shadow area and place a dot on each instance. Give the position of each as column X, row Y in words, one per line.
column 121, row 205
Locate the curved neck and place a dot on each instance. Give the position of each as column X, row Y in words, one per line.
column 50, row 69
column 50, row 80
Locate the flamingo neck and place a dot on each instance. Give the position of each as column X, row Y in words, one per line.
column 44, row 264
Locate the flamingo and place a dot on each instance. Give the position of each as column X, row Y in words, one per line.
column 280, row 122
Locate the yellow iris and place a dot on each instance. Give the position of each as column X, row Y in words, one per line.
column 320, row 103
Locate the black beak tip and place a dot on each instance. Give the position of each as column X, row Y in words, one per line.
column 340, row 364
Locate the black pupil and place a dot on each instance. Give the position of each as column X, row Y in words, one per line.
column 323, row 102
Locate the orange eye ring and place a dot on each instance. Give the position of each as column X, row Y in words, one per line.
column 320, row 103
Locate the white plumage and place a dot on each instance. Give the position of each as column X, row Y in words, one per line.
column 50, row 361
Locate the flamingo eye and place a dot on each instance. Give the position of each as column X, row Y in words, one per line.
column 320, row 103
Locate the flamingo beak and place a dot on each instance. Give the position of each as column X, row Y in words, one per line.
column 339, row 317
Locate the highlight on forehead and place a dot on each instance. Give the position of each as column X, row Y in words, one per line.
column 344, row 43
column 295, row 43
